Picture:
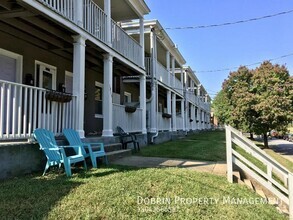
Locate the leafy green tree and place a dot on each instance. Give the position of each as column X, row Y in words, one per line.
column 273, row 88
column 221, row 108
column 257, row 101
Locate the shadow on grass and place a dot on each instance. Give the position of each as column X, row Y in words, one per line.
column 34, row 196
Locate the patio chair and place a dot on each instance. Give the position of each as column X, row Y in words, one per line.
column 88, row 149
column 126, row 138
column 56, row 155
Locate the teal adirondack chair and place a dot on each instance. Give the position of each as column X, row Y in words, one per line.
column 56, row 154
column 88, row 151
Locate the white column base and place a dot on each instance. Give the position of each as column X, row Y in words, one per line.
column 107, row 133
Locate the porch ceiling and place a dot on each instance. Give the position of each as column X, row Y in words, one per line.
column 27, row 24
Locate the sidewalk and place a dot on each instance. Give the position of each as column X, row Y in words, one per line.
column 217, row 168
column 282, row 147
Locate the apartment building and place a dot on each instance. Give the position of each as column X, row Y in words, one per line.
column 93, row 65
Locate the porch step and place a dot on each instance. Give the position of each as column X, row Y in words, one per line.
column 237, row 178
column 113, row 147
column 248, row 184
column 261, row 193
column 109, row 147
column 118, row 154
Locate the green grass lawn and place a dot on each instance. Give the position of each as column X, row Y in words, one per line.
column 207, row 146
column 117, row 192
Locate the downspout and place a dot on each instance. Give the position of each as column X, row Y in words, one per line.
column 157, row 132
column 153, row 85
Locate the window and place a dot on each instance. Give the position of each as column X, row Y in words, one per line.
column 127, row 97
column 10, row 66
column 98, row 100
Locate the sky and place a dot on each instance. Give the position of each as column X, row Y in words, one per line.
column 230, row 46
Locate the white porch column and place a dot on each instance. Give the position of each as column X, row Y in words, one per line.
column 199, row 118
column 173, row 72
column 142, row 100
column 169, row 107
column 174, row 111
column 107, row 96
column 182, row 79
column 79, row 80
column 183, row 113
column 107, row 10
column 193, row 117
column 78, row 12
column 141, row 40
column 187, row 122
column 168, row 66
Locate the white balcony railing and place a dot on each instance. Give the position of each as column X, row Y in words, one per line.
column 130, row 122
column 94, row 22
column 162, row 74
column 178, row 86
column 126, row 45
column 24, row 108
column 179, row 123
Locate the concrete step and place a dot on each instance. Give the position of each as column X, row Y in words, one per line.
column 248, row 184
column 118, row 154
column 109, row 147
column 113, row 147
column 261, row 193
column 237, row 178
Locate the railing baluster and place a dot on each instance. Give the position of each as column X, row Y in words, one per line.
column 25, row 106
column 14, row 111
column 2, row 109
column 8, row 111
column 19, row 118
column 30, row 121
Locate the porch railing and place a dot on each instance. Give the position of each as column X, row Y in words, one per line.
column 179, row 123
column 126, row 45
column 163, row 123
column 130, row 122
column 178, row 86
column 24, row 108
column 94, row 22
column 284, row 190
column 162, row 74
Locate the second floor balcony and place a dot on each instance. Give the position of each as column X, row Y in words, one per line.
column 163, row 75
column 91, row 18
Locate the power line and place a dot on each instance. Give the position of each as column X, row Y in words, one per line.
column 230, row 23
column 252, row 64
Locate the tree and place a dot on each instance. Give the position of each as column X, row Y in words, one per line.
column 238, row 90
column 273, row 87
column 221, row 107
column 257, row 100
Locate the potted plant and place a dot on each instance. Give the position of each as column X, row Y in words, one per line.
column 130, row 109
column 166, row 115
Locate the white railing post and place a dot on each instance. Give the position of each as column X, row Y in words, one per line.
column 290, row 188
column 229, row 155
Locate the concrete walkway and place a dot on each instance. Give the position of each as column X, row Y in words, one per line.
column 218, row 168
column 282, row 147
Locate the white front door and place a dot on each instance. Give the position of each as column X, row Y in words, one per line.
column 45, row 76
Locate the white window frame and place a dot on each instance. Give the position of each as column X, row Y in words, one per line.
column 128, row 94
column 98, row 84
column 19, row 63
column 54, row 74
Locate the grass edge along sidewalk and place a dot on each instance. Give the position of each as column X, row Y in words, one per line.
column 117, row 192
